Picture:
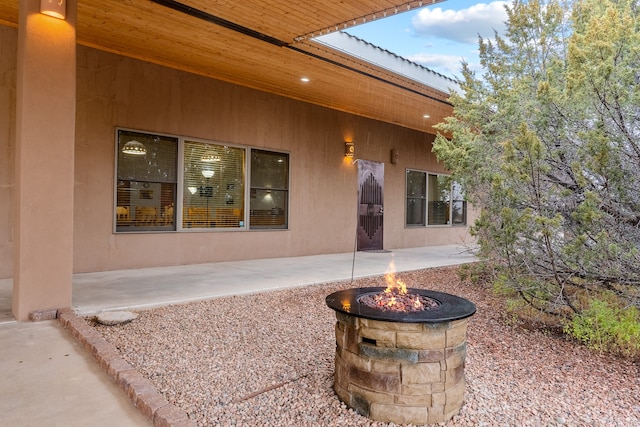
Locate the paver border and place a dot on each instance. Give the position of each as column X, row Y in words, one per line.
column 141, row 392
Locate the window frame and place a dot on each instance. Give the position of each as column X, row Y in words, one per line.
column 463, row 201
column 423, row 200
column 179, row 187
column 252, row 190
column 450, row 201
column 156, row 228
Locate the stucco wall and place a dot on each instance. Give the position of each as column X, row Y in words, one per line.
column 114, row 91
column 8, row 60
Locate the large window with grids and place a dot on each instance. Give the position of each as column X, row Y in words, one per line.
column 169, row 183
column 433, row 199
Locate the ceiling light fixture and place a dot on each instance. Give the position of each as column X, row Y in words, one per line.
column 304, row 79
column 134, row 148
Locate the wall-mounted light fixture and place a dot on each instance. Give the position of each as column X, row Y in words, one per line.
column 55, row 8
column 208, row 173
column 349, row 149
column 135, row 148
column 395, row 156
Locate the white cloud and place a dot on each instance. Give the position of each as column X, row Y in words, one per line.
column 461, row 26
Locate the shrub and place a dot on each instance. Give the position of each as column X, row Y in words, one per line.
column 604, row 326
column 479, row 273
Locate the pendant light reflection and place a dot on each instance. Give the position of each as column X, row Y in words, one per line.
column 134, row 148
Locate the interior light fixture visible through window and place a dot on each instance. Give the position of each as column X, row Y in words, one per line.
column 135, row 148
column 210, row 157
column 207, row 173
column 55, row 8
column 193, row 190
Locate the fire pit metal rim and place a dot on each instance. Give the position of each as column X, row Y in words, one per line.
column 451, row 307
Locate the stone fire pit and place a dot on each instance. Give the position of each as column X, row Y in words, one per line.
column 401, row 367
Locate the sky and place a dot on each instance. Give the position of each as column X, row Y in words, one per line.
column 439, row 36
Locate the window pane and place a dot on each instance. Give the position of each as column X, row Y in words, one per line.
column 158, row 164
column 458, row 205
column 269, row 169
column 439, row 194
column 269, row 203
column 416, row 198
column 146, row 181
column 213, row 186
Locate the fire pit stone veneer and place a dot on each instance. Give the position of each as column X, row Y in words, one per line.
column 401, row 367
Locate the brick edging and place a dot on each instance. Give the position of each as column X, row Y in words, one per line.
column 142, row 393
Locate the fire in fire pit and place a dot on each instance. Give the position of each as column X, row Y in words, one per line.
column 395, row 296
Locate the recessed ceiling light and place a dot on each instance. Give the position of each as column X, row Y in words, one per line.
column 426, row 116
column 304, row 79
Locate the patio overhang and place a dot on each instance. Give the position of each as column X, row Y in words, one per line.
column 267, row 46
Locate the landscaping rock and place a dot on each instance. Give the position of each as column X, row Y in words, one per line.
column 111, row 318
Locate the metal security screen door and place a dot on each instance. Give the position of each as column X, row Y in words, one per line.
column 370, row 205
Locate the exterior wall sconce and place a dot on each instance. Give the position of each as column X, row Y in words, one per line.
column 135, row 148
column 395, row 156
column 55, row 8
column 349, row 149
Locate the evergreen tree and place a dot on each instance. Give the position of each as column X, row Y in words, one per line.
column 546, row 142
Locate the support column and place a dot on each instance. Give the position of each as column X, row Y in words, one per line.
column 44, row 170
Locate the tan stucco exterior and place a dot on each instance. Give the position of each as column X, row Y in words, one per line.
column 112, row 91
column 43, row 192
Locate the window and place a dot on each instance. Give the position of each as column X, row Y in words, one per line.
column 416, row 197
column 433, row 199
column 146, row 181
column 212, row 187
column 439, row 195
column 458, row 205
column 269, row 190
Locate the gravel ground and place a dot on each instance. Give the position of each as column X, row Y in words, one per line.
column 267, row 360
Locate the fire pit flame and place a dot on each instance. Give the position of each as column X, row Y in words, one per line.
column 395, row 296
column 394, row 285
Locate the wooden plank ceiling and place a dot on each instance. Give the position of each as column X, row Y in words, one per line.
column 264, row 45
